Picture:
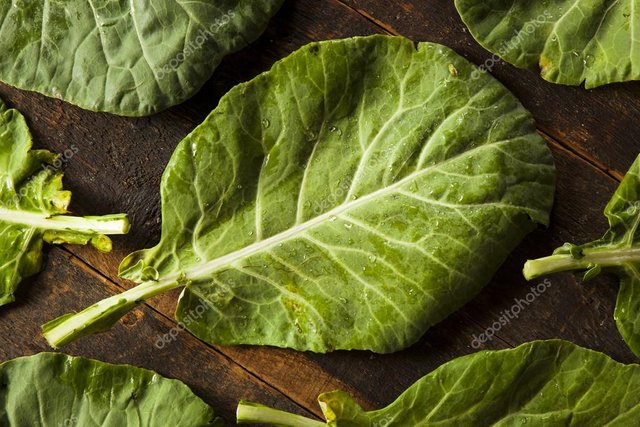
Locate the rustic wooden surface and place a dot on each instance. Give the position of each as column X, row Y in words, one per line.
column 593, row 135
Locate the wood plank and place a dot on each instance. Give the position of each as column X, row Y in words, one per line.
column 66, row 285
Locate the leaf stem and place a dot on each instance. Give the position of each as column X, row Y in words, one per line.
column 253, row 413
column 590, row 257
column 108, row 224
column 102, row 315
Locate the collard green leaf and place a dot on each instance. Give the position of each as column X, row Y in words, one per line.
column 33, row 204
column 617, row 251
column 350, row 198
column 53, row 389
column 133, row 57
column 572, row 41
column 542, row 383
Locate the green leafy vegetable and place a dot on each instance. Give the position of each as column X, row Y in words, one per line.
column 33, row 204
column 132, row 58
column 617, row 251
column 572, row 41
column 550, row 383
column 53, row 389
column 350, row 198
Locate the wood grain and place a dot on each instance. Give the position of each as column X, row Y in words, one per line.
column 118, row 168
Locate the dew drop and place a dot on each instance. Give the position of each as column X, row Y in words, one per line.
column 333, row 218
column 589, row 60
column 348, row 225
column 266, row 123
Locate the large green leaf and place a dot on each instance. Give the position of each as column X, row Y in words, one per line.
column 56, row 390
column 617, row 251
column 542, row 383
column 33, row 204
column 572, row 41
column 133, row 57
column 353, row 196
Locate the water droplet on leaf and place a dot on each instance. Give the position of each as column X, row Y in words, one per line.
column 589, row 60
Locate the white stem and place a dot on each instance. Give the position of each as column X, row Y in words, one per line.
column 74, row 325
column 253, row 413
column 566, row 262
column 110, row 224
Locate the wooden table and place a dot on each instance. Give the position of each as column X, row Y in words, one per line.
column 593, row 134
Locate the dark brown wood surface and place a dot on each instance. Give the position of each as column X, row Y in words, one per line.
column 593, row 134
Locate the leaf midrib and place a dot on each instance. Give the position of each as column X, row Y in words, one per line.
column 211, row 266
